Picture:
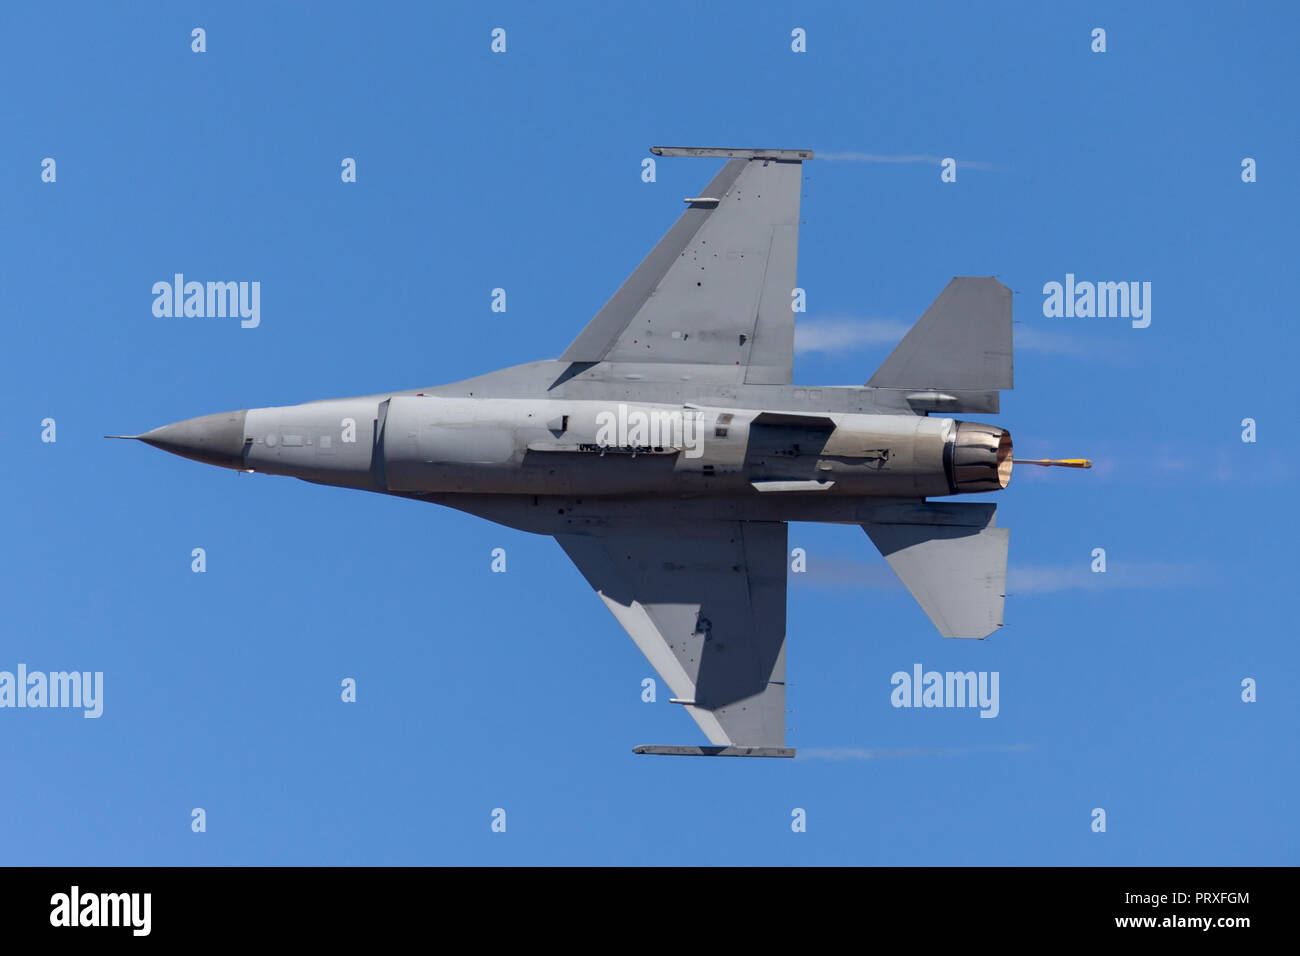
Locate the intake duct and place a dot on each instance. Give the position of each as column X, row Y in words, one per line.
column 979, row 459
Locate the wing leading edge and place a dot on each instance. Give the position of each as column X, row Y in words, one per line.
column 717, row 288
column 706, row 605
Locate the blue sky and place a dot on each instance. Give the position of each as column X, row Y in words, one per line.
column 522, row 170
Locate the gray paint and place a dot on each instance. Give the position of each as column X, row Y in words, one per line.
column 963, row 341
column 957, row 573
column 689, row 551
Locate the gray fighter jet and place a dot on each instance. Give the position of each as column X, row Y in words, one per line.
column 667, row 448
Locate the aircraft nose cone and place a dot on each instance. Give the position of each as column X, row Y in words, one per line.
column 212, row 439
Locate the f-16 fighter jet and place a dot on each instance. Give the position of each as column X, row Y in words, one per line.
column 667, row 448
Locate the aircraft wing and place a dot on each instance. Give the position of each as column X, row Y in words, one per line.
column 717, row 289
column 705, row 603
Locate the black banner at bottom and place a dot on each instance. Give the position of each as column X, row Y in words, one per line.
column 176, row 905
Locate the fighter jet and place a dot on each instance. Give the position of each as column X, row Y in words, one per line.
column 667, row 449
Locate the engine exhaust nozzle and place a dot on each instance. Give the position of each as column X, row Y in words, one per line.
column 981, row 458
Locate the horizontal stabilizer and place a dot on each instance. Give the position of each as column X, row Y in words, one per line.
column 957, row 573
column 963, row 341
